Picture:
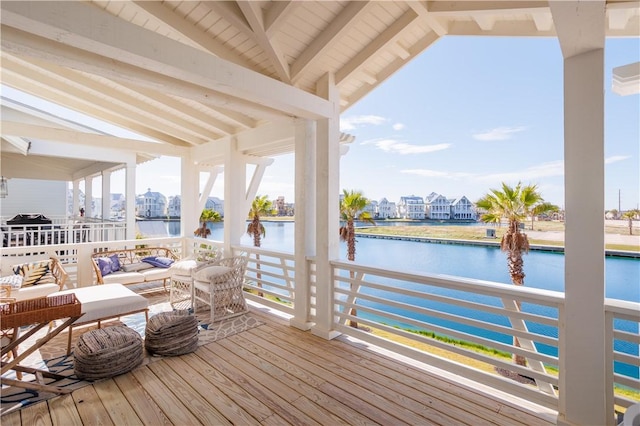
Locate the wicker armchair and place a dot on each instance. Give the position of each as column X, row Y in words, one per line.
column 219, row 285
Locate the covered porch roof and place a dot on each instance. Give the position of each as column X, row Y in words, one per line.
column 190, row 75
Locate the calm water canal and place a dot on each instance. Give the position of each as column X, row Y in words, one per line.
column 543, row 270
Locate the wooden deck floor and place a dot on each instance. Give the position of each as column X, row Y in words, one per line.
column 278, row 375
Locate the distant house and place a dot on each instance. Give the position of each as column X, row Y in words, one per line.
column 437, row 207
column 372, row 209
column 215, row 204
column 386, row 209
column 151, row 204
column 462, row 208
column 175, row 206
column 411, row 207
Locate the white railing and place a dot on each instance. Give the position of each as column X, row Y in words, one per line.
column 62, row 232
column 623, row 326
column 403, row 304
column 470, row 318
column 270, row 277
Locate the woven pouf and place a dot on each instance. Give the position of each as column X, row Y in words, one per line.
column 107, row 352
column 171, row 333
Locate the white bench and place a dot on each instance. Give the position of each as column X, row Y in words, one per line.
column 103, row 302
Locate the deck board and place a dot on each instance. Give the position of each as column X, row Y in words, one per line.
column 278, row 375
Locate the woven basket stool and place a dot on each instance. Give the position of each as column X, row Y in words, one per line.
column 171, row 333
column 107, row 352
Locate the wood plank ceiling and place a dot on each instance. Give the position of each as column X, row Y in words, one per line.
column 139, row 64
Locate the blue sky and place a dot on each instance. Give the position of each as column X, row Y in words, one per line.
column 466, row 115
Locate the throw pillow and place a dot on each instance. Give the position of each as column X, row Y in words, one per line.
column 159, row 261
column 15, row 281
column 104, row 264
column 115, row 263
column 33, row 272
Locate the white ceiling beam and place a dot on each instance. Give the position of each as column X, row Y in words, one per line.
column 10, row 128
column 421, row 8
column 626, row 79
column 92, row 30
column 92, row 92
column 196, row 36
column 20, row 144
column 485, row 22
column 543, row 21
column 453, row 8
column 61, row 97
column 501, row 28
column 580, row 25
column 389, row 36
column 416, row 49
column 22, row 44
column 276, row 15
column 328, row 37
column 196, row 117
column 619, row 18
column 253, row 14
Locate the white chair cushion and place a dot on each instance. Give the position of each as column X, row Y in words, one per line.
column 205, row 274
column 34, row 291
column 183, row 267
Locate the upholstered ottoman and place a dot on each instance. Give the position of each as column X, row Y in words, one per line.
column 171, row 333
column 107, row 352
column 103, row 302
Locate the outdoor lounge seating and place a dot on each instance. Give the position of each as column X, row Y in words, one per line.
column 219, row 285
column 107, row 352
column 133, row 266
column 103, row 302
column 33, row 279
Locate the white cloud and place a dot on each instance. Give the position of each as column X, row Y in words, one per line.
column 351, row 123
column 530, row 174
column 398, row 126
column 400, row 147
column 615, row 159
column 435, row 173
column 498, row 134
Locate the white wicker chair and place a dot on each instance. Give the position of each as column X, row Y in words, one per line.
column 219, row 285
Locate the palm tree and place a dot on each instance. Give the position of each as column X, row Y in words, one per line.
column 513, row 204
column 630, row 215
column 207, row 215
column 541, row 208
column 260, row 206
column 352, row 208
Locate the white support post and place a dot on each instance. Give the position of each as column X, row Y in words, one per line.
column 88, row 196
column 106, row 195
column 305, row 230
column 76, row 198
column 189, row 189
column 235, row 184
column 327, row 208
column 130, row 198
column 582, row 363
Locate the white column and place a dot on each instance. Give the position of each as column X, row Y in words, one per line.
column 130, row 198
column 582, row 352
column 76, row 198
column 235, row 187
column 189, row 190
column 88, row 196
column 106, row 195
column 305, row 230
column 327, row 208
